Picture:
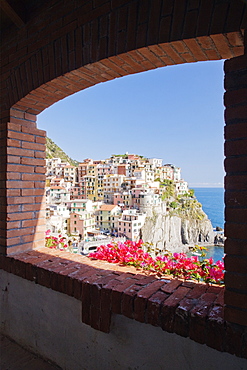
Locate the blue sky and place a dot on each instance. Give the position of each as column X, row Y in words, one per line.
column 175, row 113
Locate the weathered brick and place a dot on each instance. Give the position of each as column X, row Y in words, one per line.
column 141, row 299
column 154, row 308
column 215, row 330
column 182, row 316
column 127, row 300
column 171, row 286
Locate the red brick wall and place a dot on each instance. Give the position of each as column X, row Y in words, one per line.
column 236, row 189
column 23, row 181
column 67, row 46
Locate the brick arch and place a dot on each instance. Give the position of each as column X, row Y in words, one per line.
column 133, row 61
column 64, row 46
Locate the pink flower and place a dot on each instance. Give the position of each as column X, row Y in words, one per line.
column 178, row 264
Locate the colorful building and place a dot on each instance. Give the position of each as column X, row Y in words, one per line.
column 107, row 217
column 130, row 224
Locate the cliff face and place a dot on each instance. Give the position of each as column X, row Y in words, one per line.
column 175, row 233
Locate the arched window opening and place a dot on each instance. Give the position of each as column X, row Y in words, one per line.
column 174, row 113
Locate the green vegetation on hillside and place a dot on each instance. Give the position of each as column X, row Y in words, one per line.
column 53, row 151
column 125, row 156
column 187, row 207
column 184, row 206
column 169, row 189
column 119, row 155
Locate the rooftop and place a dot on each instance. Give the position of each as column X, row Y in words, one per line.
column 107, row 207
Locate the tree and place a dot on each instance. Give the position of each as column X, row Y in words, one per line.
column 173, row 205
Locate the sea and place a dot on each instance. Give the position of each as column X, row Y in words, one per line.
column 212, row 200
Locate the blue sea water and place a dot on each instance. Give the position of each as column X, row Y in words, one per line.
column 212, row 200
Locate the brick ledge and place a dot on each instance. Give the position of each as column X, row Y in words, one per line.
column 189, row 309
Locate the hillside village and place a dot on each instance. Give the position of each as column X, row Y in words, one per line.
column 112, row 196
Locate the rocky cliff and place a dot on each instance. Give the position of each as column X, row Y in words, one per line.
column 176, row 233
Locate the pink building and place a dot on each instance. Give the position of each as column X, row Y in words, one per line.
column 123, row 199
column 104, row 169
column 136, row 197
column 76, row 224
column 82, row 224
column 117, row 199
column 77, row 192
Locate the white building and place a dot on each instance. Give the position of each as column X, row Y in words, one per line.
column 69, row 173
column 148, row 198
column 181, row 187
column 82, row 205
column 58, row 224
column 51, row 166
column 130, row 224
column 156, row 162
column 57, row 195
column 54, row 167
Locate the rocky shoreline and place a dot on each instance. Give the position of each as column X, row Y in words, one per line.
column 219, row 238
column 177, row 233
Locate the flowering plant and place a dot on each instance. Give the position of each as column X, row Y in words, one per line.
column 176, row 264
column 54, row 242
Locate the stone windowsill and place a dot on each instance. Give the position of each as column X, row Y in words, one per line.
column 187, row 308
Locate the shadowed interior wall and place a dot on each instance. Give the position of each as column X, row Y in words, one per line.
column 61, row 47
